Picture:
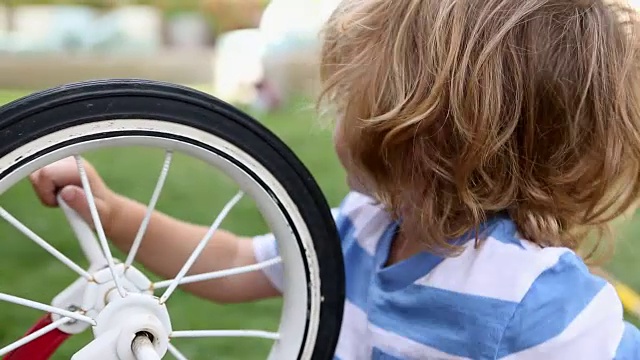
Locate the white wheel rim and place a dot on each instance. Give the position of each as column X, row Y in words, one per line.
column 295, row 332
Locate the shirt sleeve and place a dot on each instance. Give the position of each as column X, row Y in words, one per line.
column 265, row 248
column 629, row 347
column 568, row 313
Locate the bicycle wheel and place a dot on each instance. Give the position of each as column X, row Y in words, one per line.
column 72, row 119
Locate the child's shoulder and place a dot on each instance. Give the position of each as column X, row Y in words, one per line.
column 546, row 301
column 555, row 297
column 518, row 298
column 507, row 267
column 504, row 266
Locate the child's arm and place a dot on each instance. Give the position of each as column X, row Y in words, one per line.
column 569, row 313
column 168, row 242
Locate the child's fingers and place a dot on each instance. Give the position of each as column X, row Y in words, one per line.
column 51, row 178
column 44, row 189
column 76, row 198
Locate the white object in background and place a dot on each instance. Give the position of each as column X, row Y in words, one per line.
column 140, row 25
column 302, row 18
column 286, row 27
column 188, row 31
column 238, row 65
column 291, row 29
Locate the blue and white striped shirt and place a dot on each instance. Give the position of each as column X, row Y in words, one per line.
column 506, row 299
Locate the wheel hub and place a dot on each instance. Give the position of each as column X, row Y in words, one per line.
column 91, row 297
column 125, row 318
column 104, row 291
column 119, row 320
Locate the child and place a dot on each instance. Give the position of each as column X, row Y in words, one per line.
column 483, row 139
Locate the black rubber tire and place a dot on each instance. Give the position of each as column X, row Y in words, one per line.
column 47, row 111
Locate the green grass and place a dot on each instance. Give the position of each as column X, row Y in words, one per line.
column 193, row 192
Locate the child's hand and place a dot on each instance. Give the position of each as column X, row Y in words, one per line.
column 167, row 243
column 62, row 177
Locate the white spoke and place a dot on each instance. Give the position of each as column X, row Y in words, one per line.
column 152, row 205
column 44, row 244
column 47, row 308
column 176, row 353
column 98, row 225
column 226, row 333
column 34, row 335
column 203, row 243
column 221, row 273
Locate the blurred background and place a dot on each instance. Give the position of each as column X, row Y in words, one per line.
column 237, row 48
column 260, row 55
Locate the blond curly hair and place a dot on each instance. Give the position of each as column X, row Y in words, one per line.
column 458, row 110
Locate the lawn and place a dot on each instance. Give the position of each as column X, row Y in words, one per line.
column 193, row 192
